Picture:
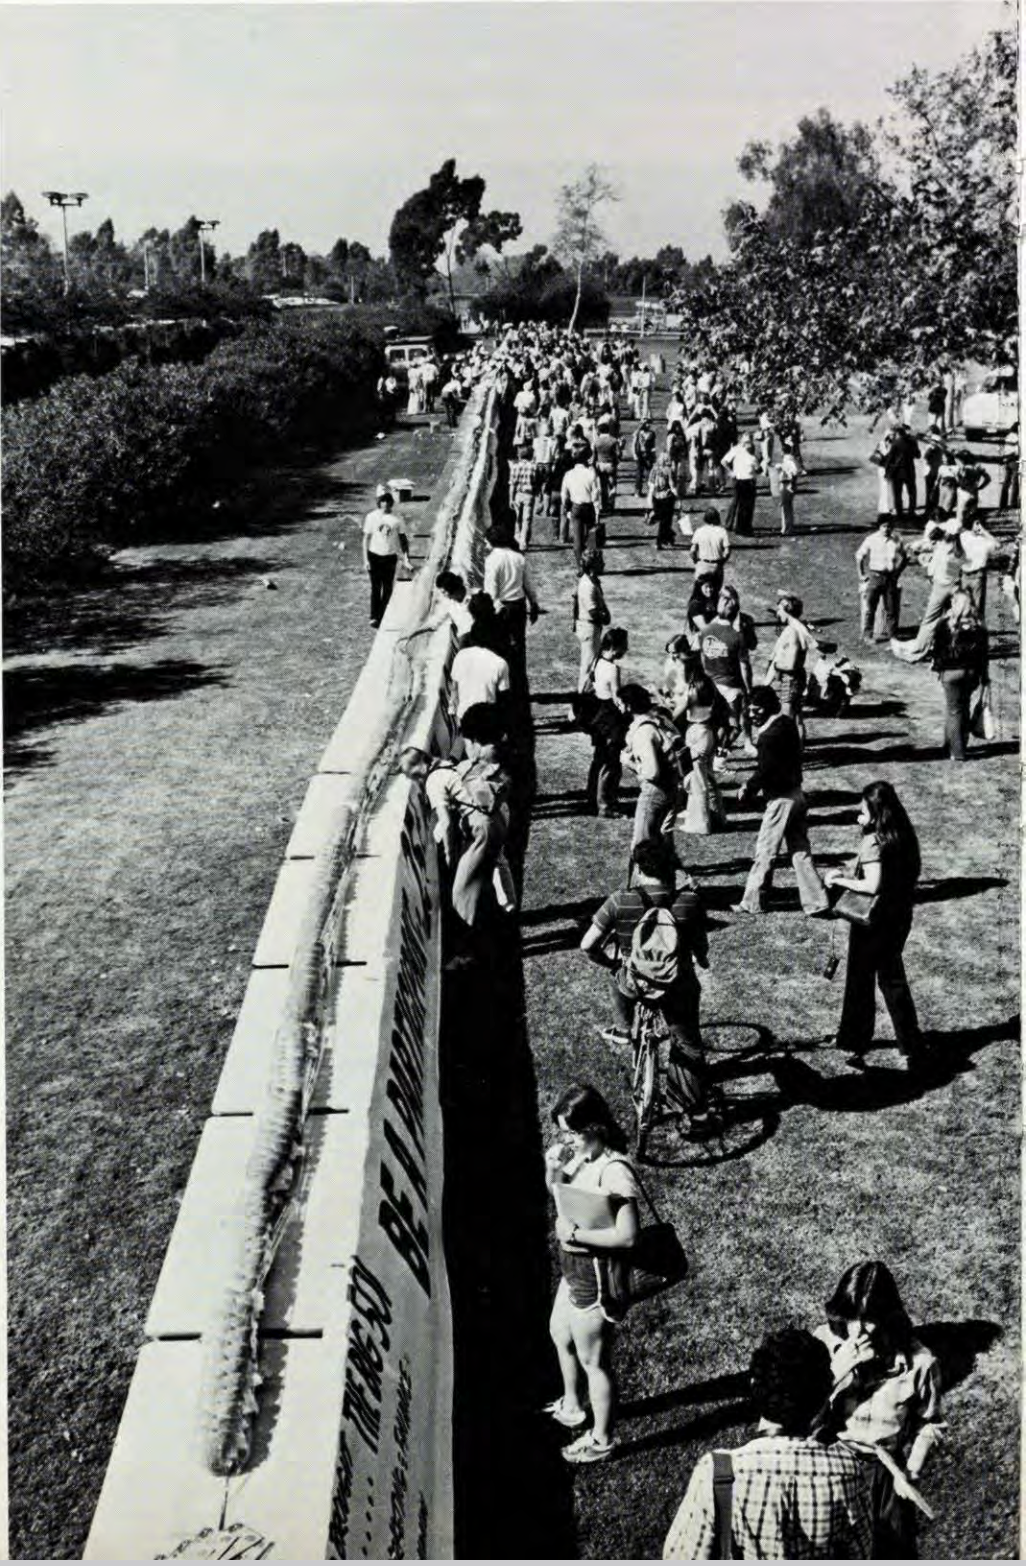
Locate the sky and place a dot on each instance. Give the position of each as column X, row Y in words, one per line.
column 320, row 119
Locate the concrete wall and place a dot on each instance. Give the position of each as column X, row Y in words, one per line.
column 334, row 1439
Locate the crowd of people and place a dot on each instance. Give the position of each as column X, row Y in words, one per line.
column 847, row 1414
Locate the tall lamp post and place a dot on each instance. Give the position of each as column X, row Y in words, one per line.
column 65, row 199
column 202, row 224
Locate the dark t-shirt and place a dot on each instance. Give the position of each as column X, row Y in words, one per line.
column 723, row 649
column 621, row 912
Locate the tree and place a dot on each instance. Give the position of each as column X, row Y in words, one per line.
column 29, row 262
column 445, row 222
column 579, row 241
column 817, row 181
column 919, row 270
column 263, row 261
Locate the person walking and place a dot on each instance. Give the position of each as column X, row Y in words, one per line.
column 886, row 869
column 581, row 502
column 590, row 613
column 778, row 777
column 726, row 660
column 960, row 658
column 662, row 502
column 785, row 1495
column 607, row 463
column 710, row 548
column 979, row 548
column 384, row 542
column 742, row 464
column 880, row 559
column 885, row 1405
column 644, row 450
column 787, row 483
column 523, row 492
column 507, row 581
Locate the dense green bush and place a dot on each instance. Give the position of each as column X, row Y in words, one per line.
column 96, row 464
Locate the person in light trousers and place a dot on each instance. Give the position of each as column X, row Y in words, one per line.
column 778, row 777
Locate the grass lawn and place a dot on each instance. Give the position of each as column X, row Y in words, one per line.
column 160, row 733
column 838, row 1164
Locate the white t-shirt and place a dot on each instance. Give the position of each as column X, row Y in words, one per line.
column 711, row 542
column 744, row 464
column 382, row 531
column 478, row 675
column 505, row 576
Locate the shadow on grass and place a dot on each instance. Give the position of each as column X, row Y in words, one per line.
column 716, row 1390
column 958, row 886
column 704, row 1425
column 957, row 1345
column 947, row 1055
column 41, row 697
column 127, row 604
column 815, row 743
column 890, row 707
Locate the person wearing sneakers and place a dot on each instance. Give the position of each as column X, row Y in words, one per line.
column 725, row 659
column 588, row 1157
column 384, row 541
column 608, row 942
column 778, row 777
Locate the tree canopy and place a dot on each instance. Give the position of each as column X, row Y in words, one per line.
column 444, row 222
column 876, row 258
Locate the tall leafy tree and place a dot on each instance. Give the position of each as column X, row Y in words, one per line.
column 444, row 222
column 817, row 180
column 579, row 240
column 263, row 261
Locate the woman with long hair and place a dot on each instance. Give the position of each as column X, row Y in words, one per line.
column 886, row 1396
column 886, row 869
column 588, row 1157
column 960, row 658
column 609, row 724
column 701, row 714
column 591, row 613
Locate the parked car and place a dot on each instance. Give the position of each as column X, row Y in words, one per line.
column 993, row 408
column 399, row 356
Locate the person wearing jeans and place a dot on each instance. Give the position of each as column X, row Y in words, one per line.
column 945, row 571
column 887, row 867
column 658, row 775
column 960, row 659
column 778, row 777
column 880, row 559
column 384, row 540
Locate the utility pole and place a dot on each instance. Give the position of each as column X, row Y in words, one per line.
column 146, row 248
column 65, row 199
column 201, row 225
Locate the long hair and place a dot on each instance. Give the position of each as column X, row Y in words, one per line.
column 888, row 819
column 868, row 1291
column 584, row 1109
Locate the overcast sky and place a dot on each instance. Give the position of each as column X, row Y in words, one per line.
column 321, row 119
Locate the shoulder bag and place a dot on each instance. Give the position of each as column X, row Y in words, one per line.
column 859, row 908
column 655, row 1262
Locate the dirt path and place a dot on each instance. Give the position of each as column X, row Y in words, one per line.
column 830, row 1164
column 161, row 731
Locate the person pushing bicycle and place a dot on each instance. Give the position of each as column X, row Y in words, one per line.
column 650, row 934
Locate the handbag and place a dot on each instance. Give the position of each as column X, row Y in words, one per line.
column 655, row 1262
column 981, row 720
column 857, row 907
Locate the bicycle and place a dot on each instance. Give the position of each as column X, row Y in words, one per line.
column 652, row 1082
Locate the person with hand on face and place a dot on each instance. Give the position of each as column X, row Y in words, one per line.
column 588, row 1155
column 384, row 541
column 886, row 1397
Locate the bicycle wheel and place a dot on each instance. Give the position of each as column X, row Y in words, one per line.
column 643, row 1087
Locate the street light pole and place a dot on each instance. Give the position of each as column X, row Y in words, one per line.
column 65, row 199
column 201, row 225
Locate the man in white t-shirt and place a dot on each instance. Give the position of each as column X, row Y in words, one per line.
column 478, row 675
column 710, row 547
column 384, row 540
column 743, row 465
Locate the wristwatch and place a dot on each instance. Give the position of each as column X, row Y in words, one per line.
column 573, row 1234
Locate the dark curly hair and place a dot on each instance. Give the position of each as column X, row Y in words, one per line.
column 790, row 1379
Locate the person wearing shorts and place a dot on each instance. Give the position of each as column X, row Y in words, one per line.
column 588, row 1156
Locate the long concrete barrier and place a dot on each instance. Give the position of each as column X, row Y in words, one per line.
column 293, row 1397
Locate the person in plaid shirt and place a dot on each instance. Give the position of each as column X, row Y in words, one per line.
column 523, row 488
column 793, row 1497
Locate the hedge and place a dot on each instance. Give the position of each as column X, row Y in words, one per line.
column 99, row 463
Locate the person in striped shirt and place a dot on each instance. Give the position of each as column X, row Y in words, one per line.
column 786, row 1495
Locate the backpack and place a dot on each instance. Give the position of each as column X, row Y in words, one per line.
column 654, row 960
column 485, row 786
column 671, row 743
